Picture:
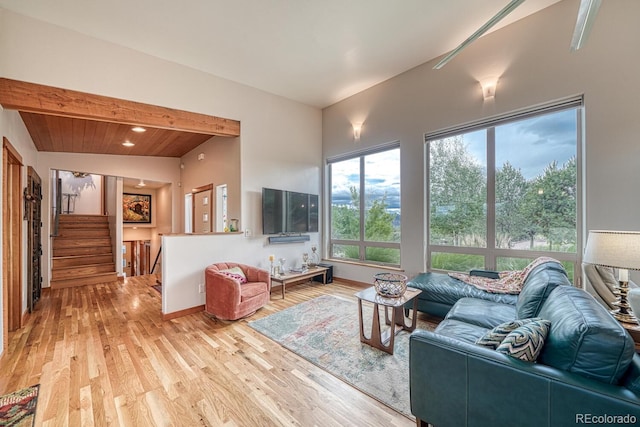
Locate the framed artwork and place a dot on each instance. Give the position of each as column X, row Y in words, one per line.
column 136, row 208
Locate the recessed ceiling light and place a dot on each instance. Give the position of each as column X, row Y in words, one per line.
column 138, row 129
column 128, row 144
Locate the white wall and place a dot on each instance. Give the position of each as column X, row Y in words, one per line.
column 535, row 66
column 278, row 135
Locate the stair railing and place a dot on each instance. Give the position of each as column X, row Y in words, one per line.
column 57, row 208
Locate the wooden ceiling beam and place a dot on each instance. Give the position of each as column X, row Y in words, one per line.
column 36, row 98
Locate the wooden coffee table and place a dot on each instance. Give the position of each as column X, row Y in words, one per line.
column 384, row 340
column 294, row 277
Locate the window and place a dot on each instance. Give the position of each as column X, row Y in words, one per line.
column 365, row 206
column 504, row 192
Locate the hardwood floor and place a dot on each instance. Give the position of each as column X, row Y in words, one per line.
column 103, row 356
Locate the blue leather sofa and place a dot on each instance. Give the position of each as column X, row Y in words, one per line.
column 440, row 292
column 587, row 373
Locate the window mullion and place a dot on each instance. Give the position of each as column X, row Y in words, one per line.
column 362, row 209
column 490, row 259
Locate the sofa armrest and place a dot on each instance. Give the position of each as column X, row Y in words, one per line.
column 485, row 273
column 454, row 383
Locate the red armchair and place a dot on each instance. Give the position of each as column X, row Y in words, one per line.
column 227, row 298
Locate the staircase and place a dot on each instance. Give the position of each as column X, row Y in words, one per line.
column 82, row 252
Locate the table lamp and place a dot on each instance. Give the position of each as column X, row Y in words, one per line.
column 616, row 249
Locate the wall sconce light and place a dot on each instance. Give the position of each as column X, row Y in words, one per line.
column 489, row 88
column 357, row 128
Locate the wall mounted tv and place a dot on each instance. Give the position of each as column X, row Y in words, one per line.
column 285, row 212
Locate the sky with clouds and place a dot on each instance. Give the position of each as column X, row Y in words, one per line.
column 529, row 145
column 382, row 176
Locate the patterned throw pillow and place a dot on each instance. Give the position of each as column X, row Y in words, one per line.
column 525, row 343
column 495, row 336
column 235, row 273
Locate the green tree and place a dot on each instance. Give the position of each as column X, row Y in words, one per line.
column 550, row 204
column 345, row 225
column 378, row 222
column 457, row 194
column 511, row 223
column 345, row 219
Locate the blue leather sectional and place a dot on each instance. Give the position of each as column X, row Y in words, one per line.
column 588, row 371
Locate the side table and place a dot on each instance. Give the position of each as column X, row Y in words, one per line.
column 384, row 340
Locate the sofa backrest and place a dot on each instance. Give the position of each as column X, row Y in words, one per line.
column 584, row 338
column 538, row 285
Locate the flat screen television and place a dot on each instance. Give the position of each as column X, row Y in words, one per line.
column 288, row 212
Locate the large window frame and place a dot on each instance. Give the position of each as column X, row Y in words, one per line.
column 362, row 243
column 491, row 253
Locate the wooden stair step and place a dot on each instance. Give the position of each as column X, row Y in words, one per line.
column 83, row 232
column 75, row 260
column 85, row 280
column 80, row 271
column 83, row 218
column 78, row 251
column 66, row 242
column 83, row 226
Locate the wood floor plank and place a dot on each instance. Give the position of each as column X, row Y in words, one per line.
column 103, row 356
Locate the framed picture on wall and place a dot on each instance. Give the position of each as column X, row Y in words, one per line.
column 136, row 208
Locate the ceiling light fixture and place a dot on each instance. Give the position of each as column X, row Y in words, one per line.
column 141, row 183
column 128, row 143
column 138, row 129
column 490, row 23
column 586, row 17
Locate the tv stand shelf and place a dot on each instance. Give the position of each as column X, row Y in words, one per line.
column 294, row 277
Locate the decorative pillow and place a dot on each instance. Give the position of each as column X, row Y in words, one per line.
column 525, row 343
column 235, row 273
column 495, row 336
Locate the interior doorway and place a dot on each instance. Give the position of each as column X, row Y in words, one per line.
column 136, row 257
column 11, row 239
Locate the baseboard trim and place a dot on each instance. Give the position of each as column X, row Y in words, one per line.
column 180, row 313
column 352, row 282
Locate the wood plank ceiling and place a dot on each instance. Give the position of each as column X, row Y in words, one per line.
column 61, row 120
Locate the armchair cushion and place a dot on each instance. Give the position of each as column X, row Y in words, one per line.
column 235, row 273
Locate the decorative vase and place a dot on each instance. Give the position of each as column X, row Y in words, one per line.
column 314, row 258
column 390, row 285
column 634, row 301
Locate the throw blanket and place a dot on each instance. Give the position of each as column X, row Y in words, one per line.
column 510, row 282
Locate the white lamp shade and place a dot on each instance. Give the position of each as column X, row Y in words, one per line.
column 617, row 249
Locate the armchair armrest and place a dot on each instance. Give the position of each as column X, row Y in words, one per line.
column 255, row 274
column 222, row 286
column 453, row 382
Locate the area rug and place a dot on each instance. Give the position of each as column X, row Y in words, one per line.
column 19, row 408
column 325, row 331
